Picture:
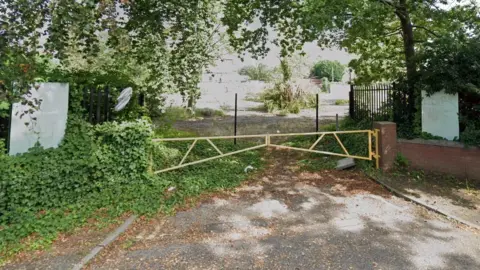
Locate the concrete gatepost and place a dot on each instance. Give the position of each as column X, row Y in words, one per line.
column 387, row 143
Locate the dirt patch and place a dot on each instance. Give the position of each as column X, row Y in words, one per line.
column 460, row 192
column 345, row 183
column 68, row 248
column 273, row 185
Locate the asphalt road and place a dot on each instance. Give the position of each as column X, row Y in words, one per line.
column 288, row 220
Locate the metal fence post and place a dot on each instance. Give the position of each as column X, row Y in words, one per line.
column 107, row 103
column 9, row 129
column 351, row 102
column 90, row 111
column 235, row 121
column 316, row 119
column 98, row 118
column 336, row 122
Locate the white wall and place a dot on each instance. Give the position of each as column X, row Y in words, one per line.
column 440, row 115
column 49, row 127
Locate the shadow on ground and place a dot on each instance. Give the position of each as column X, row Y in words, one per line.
column 286, row 218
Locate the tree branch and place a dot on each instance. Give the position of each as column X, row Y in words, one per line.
column 388, row 2
column 427, row 30
column 394, row 32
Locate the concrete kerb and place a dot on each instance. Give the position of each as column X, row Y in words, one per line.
column 110, row 238
column 114, row 235
column 431, row 208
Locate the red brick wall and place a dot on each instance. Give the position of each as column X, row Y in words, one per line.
column 442, row 156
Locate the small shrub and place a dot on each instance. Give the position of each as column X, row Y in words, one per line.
column 287, row 97
column 175, row 113
column 325, row 85
column 470, row 136
column 341, row 102
column 260, row 72
column 401, row 161
column 3, row 149
column 253, row 97
column 208, row 112
column 429, row 136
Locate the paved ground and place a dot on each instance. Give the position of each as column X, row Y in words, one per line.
column 287, row 219
column 449, row 195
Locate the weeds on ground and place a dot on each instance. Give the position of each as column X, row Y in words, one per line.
column 356, row 144
column 341, row 102
column 141, row 193
column 287, row 98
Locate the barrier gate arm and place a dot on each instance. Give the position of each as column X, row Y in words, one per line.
column 267, row 137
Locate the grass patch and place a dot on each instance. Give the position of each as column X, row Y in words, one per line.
column 259, row 108
column 146, row 197
column 253, row 97
column 356, row 144
column 207, row 112
column 341, row 102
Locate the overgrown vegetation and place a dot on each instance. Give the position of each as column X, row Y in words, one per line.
column 287, row 98
column 341, row 102
column 333, row 70
column 259, row 72
column 356, row 144
column 102, row 170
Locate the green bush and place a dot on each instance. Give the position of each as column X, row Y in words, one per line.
column 326, row 68
column 356, row 144
column 3, row 149
column 401, row 161
column 89, row 160
column 285, row 98
column 259, row 72
column 208, row 112
column 341, row 102
column 470, row 136
column 102, row 171
column 325, row 85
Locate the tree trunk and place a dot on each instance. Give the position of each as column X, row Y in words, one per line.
column 409, row 50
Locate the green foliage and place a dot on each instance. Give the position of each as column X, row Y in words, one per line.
column 429, row 136
column 470, row 136
column 451, row 66
column 325, row 85
column 341, row 102
column 287, row 98
column 370, row 29
column 401, row 161
column 259, row 72
column 161, row 45
column 3, row 149
column 172, row 114
column 102, row 172
column 356, row 144
column 208, row 112
column 333, row 70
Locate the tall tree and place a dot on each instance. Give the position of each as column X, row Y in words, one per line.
column 175, row 40
column 384, row 33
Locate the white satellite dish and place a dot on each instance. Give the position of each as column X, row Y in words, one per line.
column 123, row 99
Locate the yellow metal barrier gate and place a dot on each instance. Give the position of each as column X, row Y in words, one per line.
column 371, row 153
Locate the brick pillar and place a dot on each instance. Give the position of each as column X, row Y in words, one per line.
column 387, row 143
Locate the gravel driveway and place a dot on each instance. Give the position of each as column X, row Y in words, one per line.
column 288, row 219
